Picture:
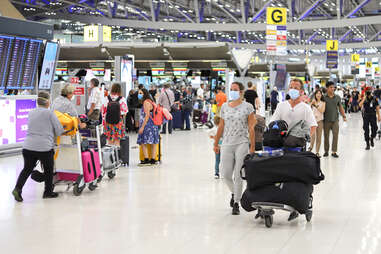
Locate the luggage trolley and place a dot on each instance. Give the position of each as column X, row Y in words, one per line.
column 203, row 117
column 266, row 210
column 68, row 164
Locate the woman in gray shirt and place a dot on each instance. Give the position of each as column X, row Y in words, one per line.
column 43, row 128
column 237, row 131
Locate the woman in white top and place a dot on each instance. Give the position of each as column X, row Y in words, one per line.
column 318, row 108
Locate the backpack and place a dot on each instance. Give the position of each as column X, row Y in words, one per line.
column 113, row 111
column 159, row 113
column 275, row 134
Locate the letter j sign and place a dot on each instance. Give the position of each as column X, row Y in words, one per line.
column 276, row 16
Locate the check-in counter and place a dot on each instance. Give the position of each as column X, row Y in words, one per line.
column 14, row 111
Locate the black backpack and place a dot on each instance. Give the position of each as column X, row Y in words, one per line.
column 275, row 134
column 113, row 111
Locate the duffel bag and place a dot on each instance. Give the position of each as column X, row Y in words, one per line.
column 294, row 194
column 289, row 167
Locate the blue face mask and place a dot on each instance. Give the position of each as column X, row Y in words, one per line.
column 294, row 94
column 140, row 96
column 234, row 95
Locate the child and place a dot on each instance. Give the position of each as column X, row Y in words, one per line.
column 212, row 134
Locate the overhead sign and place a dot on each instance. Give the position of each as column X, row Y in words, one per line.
column 368, row 64
column 332, row 45
column 90, row 34
column 276, row 16
column 106, row 34
column 377, row 69
column 355, row 58
column 276, row 31
column 332, row 59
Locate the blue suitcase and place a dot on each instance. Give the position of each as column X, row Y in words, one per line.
column 177, row 122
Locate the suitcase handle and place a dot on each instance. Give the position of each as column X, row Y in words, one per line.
column 93, row 162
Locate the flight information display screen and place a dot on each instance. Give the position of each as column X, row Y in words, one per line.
column 5, row 51
column 18, row 62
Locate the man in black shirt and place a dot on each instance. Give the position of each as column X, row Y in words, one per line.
column 153, row 92
column 377, row 92
column 251, row 95
column 371, row 108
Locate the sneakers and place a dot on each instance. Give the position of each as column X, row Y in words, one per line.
column 318, row 155
column 335, row 155
column 146, row 162
column 50, row 195
column 367, row 147
column 216, row 176
column 17, row 195
column 153, row 162
column 325, row 154
column 232, row 201
column 235, row 210
column 372, row 142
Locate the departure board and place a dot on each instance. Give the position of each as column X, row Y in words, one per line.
column 17, row 63
column 5, row 51
column 30, row 66
column 20, row 72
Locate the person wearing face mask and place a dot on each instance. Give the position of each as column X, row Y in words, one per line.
column 370, row 109
column 64, row 103
column 331, row 119
column 236, row 128
column 114, row 111
column 295, row 110
column 43, row 128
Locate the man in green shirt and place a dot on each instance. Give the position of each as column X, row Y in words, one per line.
column 331, row 118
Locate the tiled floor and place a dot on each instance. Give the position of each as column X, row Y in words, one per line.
column 178, row 207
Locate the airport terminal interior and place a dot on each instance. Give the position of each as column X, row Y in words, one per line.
column 190, row 126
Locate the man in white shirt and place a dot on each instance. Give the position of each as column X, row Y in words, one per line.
column 200, row 97
column 95, row 100
column 294, row 110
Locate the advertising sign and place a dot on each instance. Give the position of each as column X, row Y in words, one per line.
column 48, row 65
column 23, row 107
column 15, row 112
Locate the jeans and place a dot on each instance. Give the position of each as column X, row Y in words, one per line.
column 164, row 130
column 317, row 136
column 186, row 118
column 30, row 162
column 217, row 165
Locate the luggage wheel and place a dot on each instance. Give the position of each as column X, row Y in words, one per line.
column 268, row 221
column 77, row 191
column 308, row 215
column 111, row 174
column 100, row 178
column 293, row 215
column 92, row 186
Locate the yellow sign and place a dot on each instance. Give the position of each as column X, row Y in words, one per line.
column 106, row 34
column 332, row 45
column 355, row 58
column 368, row 64
column 276, row 16
column 90, row 33
column 377, row 69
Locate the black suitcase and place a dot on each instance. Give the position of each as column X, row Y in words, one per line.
column 124, row 152
column 295, row 194
column 291, row 167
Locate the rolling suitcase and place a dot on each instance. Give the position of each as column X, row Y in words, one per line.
column 110, row 157
column 124, row 152
column 177, row 121
column 158, row 151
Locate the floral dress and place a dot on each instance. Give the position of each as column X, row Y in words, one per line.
column 150, row 133
column 115, row 131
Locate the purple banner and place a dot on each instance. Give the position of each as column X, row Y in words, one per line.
column 23, row 107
